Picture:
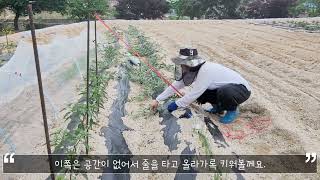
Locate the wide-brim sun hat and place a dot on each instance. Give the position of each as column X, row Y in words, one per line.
column 191, row 59
column 188, row 57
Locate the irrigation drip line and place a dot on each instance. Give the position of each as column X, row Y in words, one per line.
column 143, row 59
column 42, row 101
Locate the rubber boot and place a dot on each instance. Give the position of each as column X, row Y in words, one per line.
column 229, row 117
column 214, row 110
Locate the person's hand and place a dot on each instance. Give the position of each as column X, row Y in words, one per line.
column 172, row 107
column 154, row 105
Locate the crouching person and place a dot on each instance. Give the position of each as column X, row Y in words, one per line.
column 211, row 83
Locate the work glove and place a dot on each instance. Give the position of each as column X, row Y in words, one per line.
column 187, row 114
column 172, row 107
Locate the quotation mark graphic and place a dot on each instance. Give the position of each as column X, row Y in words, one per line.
column 309, row 155
column 10, row 159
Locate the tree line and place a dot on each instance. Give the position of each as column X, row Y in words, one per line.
column 178, row 9
column 76, row 9
column 219, row 9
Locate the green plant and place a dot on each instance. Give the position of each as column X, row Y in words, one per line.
column 141, row 9
column 204, row 143
column 144, row 112
column 80, row 9
column 76, row 137
column 309, row 7
column 111, row 55
column 9, row 46
column 19, row 7
column 310, row 26
column 7, row 31
column 143, row 74
column 217, row 176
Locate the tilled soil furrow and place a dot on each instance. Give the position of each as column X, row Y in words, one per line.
column 273, row 38
column 271, row 50
column 275, row 65
column 266, row 30
column 280, row 89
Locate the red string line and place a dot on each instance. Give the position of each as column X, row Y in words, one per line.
column 143, row 59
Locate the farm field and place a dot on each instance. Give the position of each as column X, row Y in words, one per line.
column 281, row 117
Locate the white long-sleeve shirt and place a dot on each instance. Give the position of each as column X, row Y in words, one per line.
column 210, row 76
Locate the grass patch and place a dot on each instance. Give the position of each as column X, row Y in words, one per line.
column 9, row 47
column 310, row 26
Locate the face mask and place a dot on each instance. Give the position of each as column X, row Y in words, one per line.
column 187, row 74
column 189, row 77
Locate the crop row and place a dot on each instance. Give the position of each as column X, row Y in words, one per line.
column 142, row 74
column 74, row 141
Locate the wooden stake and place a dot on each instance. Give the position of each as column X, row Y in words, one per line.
column 43, row 105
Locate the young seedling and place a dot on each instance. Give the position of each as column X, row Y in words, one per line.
column 204, row 143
